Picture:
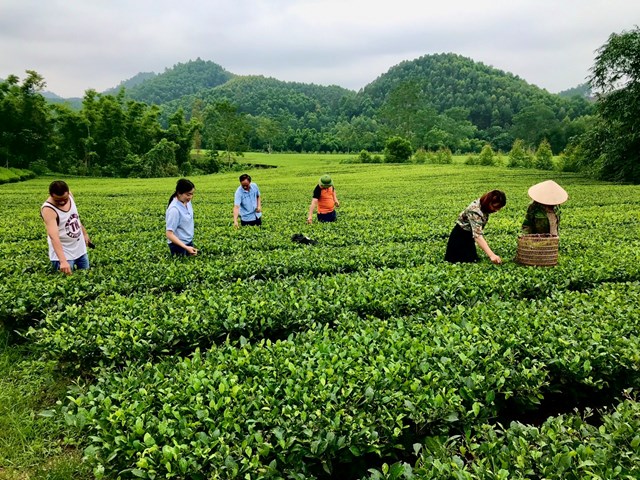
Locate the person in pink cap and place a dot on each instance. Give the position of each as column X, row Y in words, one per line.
column 543, row 215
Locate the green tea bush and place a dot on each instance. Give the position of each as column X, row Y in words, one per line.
column 264, row 358
column 10, row 175
column 567, row 446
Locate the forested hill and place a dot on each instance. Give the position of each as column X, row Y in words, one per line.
column 447, row 92
column 430, row 85
column 582, row 90
column 262, row 96
column 132, row 82
column 433, row 102
column 446, row 81
column 180, row 80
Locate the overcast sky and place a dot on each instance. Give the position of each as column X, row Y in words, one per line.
column 82, row 44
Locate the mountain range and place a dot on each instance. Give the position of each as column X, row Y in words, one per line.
column 195, row 75
column 448, row 92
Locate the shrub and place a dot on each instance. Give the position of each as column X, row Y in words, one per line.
column 519, row 157
column 544, row 156
column 397, row 150
column 364, row 156
column 39, row 167
column 420, row 156
column 443, row 156
column 487, row 157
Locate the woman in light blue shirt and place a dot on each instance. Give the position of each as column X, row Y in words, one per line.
column 179, row 218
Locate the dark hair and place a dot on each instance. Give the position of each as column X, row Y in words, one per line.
column 494, row 198
column 183, row 186
column 244, row 177
column 58, row 187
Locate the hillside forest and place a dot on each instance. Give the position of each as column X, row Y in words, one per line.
column 148, row 126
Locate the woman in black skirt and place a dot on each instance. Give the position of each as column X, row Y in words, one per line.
column 469, row 229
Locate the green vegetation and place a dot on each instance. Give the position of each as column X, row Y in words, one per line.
column 413, row 100
column 544, row 156
column 437, row 103
column 110, row 136
column 397, row 150
column 582, row 90
column 364, row 356
column 8, row 175
column 133, row 82
column 147, row 128
column 175, row 82
column 32, row 446
column 611, row 149
column 584, row 450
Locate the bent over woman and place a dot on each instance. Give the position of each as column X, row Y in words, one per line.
column 468, row 230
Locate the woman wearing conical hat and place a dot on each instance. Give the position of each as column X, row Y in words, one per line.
column 543, row 215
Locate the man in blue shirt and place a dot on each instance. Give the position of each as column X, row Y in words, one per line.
column 247, row 203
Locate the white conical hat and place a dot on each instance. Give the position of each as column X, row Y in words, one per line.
column 548, row 193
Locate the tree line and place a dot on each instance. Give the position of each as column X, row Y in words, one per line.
column 435, row 103
column 109, row 136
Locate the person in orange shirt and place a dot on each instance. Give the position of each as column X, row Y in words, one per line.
column 325, row 199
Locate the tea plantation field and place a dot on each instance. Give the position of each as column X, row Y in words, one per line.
column 364, row 356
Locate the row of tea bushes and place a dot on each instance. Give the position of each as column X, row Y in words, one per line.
column 563, row 447
column 367, row 387
column 11, row 175
column 385, row 343
column 295, row 407
column 139, row 270
column 381, row 236
column 156, row 321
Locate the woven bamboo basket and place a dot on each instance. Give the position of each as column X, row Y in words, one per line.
column 539, row 250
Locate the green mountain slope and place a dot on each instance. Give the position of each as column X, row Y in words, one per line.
column 180, row 80
column 132, row 82
column 427, row 88
column 446, row 81
column 261, row 96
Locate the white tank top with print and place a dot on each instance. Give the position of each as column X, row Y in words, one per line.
column 69, row 231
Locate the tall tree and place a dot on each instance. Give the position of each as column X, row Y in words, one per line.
column 534, row 123
column 24, row 121
column 406, row 113
column 614, row 144
column 226, row 128
column 68, row 139
column 181, row 133
column 197, row 114
column 268, row 133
